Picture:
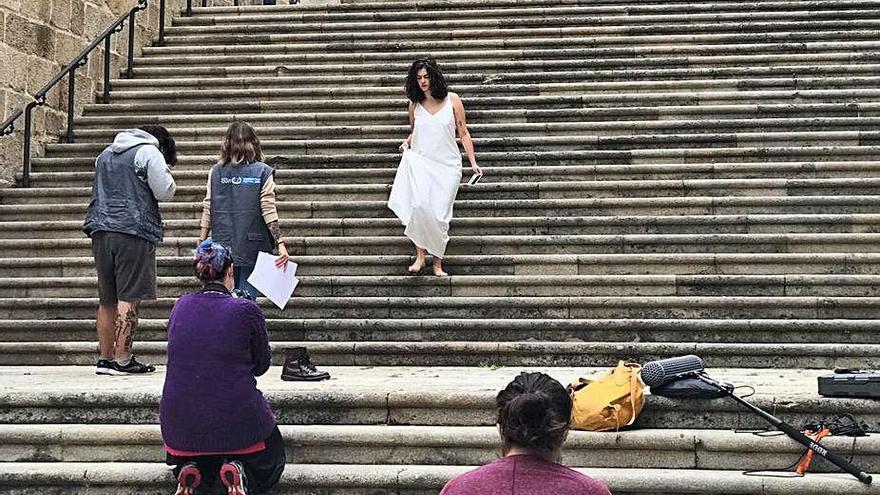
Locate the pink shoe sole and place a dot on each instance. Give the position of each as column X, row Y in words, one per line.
column 231, row 478
column 188, row 480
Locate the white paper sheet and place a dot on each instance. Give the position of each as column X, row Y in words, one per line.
column 276, row 284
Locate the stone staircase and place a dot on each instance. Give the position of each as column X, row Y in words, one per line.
column 662, row 178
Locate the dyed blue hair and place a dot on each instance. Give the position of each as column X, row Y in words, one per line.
column 211, row 260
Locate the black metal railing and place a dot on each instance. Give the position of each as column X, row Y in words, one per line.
column 8, row 125
column 105, row 38
column 69, row 71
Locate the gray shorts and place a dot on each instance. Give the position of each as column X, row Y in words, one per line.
column 126, row 267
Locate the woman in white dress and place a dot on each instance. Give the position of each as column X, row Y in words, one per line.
column 429, row 174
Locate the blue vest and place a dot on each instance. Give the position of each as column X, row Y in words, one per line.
column 236, row 216
column 121, row 200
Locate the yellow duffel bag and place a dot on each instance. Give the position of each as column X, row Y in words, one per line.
column 609, row 403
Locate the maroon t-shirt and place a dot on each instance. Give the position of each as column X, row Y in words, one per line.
column 524, row 475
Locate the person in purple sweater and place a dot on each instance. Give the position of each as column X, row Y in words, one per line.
column 216, row 424
column 534, row 411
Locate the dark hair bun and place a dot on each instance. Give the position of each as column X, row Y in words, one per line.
column 534, row 411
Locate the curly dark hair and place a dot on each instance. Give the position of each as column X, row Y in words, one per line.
column 439, row 88
column 534, row 412
column 166, row 142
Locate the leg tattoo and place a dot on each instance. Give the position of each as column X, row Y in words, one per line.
column 125, row 325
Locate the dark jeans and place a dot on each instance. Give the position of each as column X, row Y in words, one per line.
column 262, row 469
column 241, row 275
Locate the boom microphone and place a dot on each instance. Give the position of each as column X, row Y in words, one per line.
column 665, row 370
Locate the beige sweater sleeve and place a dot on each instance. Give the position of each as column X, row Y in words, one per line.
column 267, row 201
column 206, row 206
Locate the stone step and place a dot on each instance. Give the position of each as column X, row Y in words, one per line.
column 477, row 49
column 490, row 190
column 633, row 330
column 481, row 128
column 60, row 172
column 459, row 445
column 507, row 17
column 299, row 479
column 501, row 23
column 472, row 207
column 458, row 64
column 531, row 353
column 605, row 163
column 509, row 245
column 547, row 264
column 409, row 40
column 390, row 8
column 460, row 71
column 430, row 396
column 598, row 95
column 493, row 29
column 460, row 286
column 806, row 139
column 480, row 307
column 512, row 226
column 650, row 113
column 490, row 81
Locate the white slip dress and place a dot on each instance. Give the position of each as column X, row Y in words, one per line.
column 427, row 179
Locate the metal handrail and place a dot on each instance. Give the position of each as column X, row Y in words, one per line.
column 8, row 125
column 70, row 72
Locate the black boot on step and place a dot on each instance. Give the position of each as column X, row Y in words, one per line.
column 298, row 367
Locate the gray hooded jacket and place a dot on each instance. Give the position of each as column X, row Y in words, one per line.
column 131, row 177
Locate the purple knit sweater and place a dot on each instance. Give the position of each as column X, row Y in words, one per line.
column 217, row 344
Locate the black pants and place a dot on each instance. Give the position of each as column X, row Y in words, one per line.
column 263, row 469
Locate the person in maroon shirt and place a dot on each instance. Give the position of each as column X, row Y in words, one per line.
column 533, row 417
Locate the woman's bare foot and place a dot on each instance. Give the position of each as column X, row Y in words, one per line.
column 438, row 268
column 417, row 266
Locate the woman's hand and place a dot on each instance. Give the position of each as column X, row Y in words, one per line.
column 404, row 146
column 477, row 170
column 283, row 258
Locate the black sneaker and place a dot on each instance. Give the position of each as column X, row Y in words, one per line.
column 104, row 367
column 132, row 368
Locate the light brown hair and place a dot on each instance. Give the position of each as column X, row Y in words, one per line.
column 241, row 144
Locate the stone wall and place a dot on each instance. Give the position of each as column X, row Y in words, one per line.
column 38, row 38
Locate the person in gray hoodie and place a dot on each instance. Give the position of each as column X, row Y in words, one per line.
column 124, row 223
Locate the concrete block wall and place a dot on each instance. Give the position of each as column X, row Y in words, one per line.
column 38, row 38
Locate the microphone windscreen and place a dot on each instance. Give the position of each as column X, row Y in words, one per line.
column 658, row 372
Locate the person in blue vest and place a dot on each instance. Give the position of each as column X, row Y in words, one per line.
column 123, row 221
column 239, row 207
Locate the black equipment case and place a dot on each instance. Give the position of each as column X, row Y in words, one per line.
column 863, row 384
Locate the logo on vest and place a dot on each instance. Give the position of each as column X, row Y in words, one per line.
column 253, row 181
